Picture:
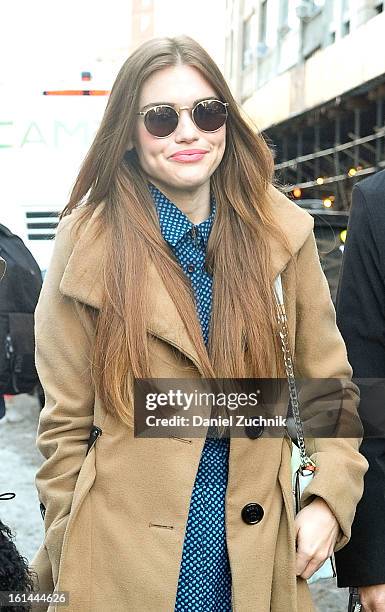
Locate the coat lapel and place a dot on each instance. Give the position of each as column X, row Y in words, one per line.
column 164, row 320
column 295, row 223
column 82, row 278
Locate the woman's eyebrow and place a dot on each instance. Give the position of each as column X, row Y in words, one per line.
column 174, row 104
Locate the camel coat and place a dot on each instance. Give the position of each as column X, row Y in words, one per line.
column 116, row 517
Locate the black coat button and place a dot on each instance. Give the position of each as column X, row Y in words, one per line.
column 191, row 268
column 254, row 431
column 252, row 513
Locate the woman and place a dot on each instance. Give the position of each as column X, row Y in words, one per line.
column 166, row 270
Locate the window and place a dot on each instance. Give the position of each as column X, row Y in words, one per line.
column 345, row 12
column 249, row 39
column 229, row 54
column 246, row 46
column 284, row 16
column 345, row 28
column 262, row 22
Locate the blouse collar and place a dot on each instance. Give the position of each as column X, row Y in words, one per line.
column 174, row 224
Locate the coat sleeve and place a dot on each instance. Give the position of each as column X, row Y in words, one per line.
column 361, row 319
column 320, row 353
column 63, row 334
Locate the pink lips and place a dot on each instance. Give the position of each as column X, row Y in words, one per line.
column 189, row 155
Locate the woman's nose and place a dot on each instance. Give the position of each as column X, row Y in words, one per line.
column 186, row 129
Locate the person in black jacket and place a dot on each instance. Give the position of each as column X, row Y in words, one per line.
column 19, row 293
column 361, row 319
column 2, row 402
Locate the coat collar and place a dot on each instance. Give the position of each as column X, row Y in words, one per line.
column 82, row 280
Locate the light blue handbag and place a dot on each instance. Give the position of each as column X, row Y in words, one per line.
column 302, row 467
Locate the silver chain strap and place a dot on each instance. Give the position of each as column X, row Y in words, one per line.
column 306, row 462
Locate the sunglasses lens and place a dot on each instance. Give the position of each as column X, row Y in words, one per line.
column 161, row 121
column 210, row 115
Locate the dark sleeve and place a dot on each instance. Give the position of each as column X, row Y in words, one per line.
column 360, row 317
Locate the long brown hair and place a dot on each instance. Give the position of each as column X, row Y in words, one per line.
column 243, row 310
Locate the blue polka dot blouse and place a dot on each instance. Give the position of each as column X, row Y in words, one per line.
column 205, row 579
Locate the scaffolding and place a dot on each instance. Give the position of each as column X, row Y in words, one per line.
column 321, row 153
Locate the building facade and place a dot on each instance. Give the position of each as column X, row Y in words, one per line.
column 311, row 75
column 204, row 21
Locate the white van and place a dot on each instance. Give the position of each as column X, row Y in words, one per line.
column 43, row 139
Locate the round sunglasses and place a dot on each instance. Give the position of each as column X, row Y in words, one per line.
column 161, row 120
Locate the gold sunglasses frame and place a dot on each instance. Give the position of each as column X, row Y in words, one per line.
column 178, row 109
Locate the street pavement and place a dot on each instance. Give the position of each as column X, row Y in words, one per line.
column 19, row 461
